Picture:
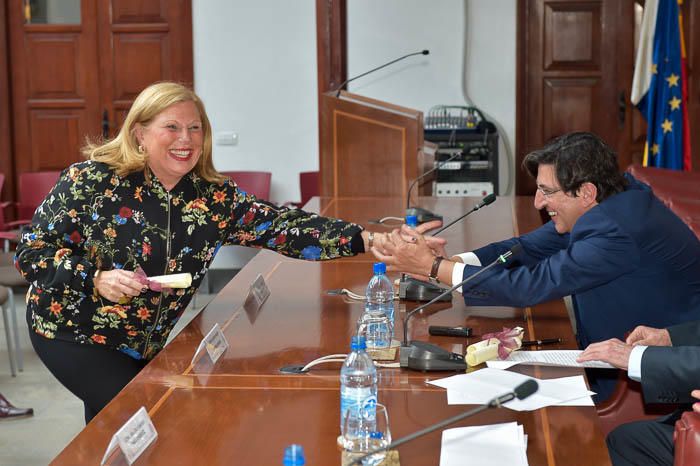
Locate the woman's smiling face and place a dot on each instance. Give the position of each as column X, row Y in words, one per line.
column 172, row 142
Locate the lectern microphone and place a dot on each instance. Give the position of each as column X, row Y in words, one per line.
column 520, row 392
column 424, row 356
column 344, row 83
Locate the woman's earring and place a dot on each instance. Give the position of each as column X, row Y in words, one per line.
column 141, row 149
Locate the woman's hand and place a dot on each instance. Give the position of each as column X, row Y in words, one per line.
column 118, row 284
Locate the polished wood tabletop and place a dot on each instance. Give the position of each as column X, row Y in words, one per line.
column 243, row 410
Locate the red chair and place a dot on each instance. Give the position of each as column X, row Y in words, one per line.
column 309, row 186
column 33, row 188
column 256, row 183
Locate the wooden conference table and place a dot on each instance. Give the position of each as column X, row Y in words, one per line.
column 242, row 410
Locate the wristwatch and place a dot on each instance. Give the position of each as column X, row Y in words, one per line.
column 435, row 269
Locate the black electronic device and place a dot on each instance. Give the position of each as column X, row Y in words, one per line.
column 423, row 356
column 463, row 131
column 412, row 289
column 442, row 331
column 520, row 392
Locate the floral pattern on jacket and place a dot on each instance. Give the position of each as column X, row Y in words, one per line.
column 93, row 219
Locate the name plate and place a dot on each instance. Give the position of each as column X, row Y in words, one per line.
column 215, row 343
column 133, row 437
column 257, row 295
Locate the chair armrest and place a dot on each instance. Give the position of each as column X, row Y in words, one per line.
column 687, row 440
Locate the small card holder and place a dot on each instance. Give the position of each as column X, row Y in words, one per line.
column 133, row 437
column 215, row 343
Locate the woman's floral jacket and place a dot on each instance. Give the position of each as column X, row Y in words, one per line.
column 93, row 219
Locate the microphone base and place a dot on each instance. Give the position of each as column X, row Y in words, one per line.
column 426, row 357
column 422, row 215
column 411, row 289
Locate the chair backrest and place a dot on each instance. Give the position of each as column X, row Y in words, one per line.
column 33, row 188
column 309, row 186
column 256, row 183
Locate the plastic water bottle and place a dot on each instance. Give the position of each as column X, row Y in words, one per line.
column 294, row 456
column 378, row 318
column 358, row 388
column 411, row 221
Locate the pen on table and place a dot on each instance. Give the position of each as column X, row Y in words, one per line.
column 545, row 341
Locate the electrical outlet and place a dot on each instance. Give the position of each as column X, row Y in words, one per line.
column 227, row 138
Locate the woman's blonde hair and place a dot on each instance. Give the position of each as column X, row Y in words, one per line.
column 122, row 152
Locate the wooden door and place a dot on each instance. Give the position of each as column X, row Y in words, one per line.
column 575, row 67
column 141, row 42
column 78, row 79
column 54, row 87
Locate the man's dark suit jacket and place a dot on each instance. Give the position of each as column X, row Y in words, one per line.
column 669, row 374
column 628, row 261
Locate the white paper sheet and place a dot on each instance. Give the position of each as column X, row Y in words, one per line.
column 490, row 445
column 479, row 387
column 563, row 358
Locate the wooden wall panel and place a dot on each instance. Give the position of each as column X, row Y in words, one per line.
column 147, row 53
column 138, row 11
column 368, row 171
column 62, row 133
column 567, row 105
column 60, row 51
column 572, row 36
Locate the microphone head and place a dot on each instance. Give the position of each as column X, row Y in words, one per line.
column 525, row 389
column 516, row 249
column 426, row 52
column 489, row 199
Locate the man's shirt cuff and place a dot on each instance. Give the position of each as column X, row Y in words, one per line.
column 634, row 366
column 468, row 258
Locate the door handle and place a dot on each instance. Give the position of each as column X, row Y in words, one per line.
column 105, row 124
column 621, row 109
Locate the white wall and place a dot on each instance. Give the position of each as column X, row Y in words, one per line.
column 472, row 53
column 255, row 69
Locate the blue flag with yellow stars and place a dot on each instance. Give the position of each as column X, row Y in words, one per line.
column 660, row 89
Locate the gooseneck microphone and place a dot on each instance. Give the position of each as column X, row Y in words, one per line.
column 344, row 83
column 413, row 289
column 484, row 202
column 423, row 356
column 423, row 215
column 520, row 392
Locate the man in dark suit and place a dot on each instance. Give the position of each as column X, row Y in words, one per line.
column 624, row 257
column 667, row 363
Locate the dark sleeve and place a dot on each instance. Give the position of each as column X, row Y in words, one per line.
column 685, row 334
column 669, row 374
column 51, row 250
column 292, row 232
column 536, row 246
column 599, row 252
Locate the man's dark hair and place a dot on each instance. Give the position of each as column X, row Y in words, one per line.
column 579, row 158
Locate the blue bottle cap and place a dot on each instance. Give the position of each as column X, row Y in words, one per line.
column 376, row 435
column 411, row 221
column 379, row 268
column 294, row 456
column 357, row 343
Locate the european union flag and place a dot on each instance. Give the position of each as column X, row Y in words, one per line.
column 660, row 89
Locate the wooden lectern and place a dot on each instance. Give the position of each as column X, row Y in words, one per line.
column 369, row 148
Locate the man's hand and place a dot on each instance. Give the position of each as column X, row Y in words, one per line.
column 612, row 351
column 696, row 406
column 648, row 336
column 413, row 257
column 437, row 245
